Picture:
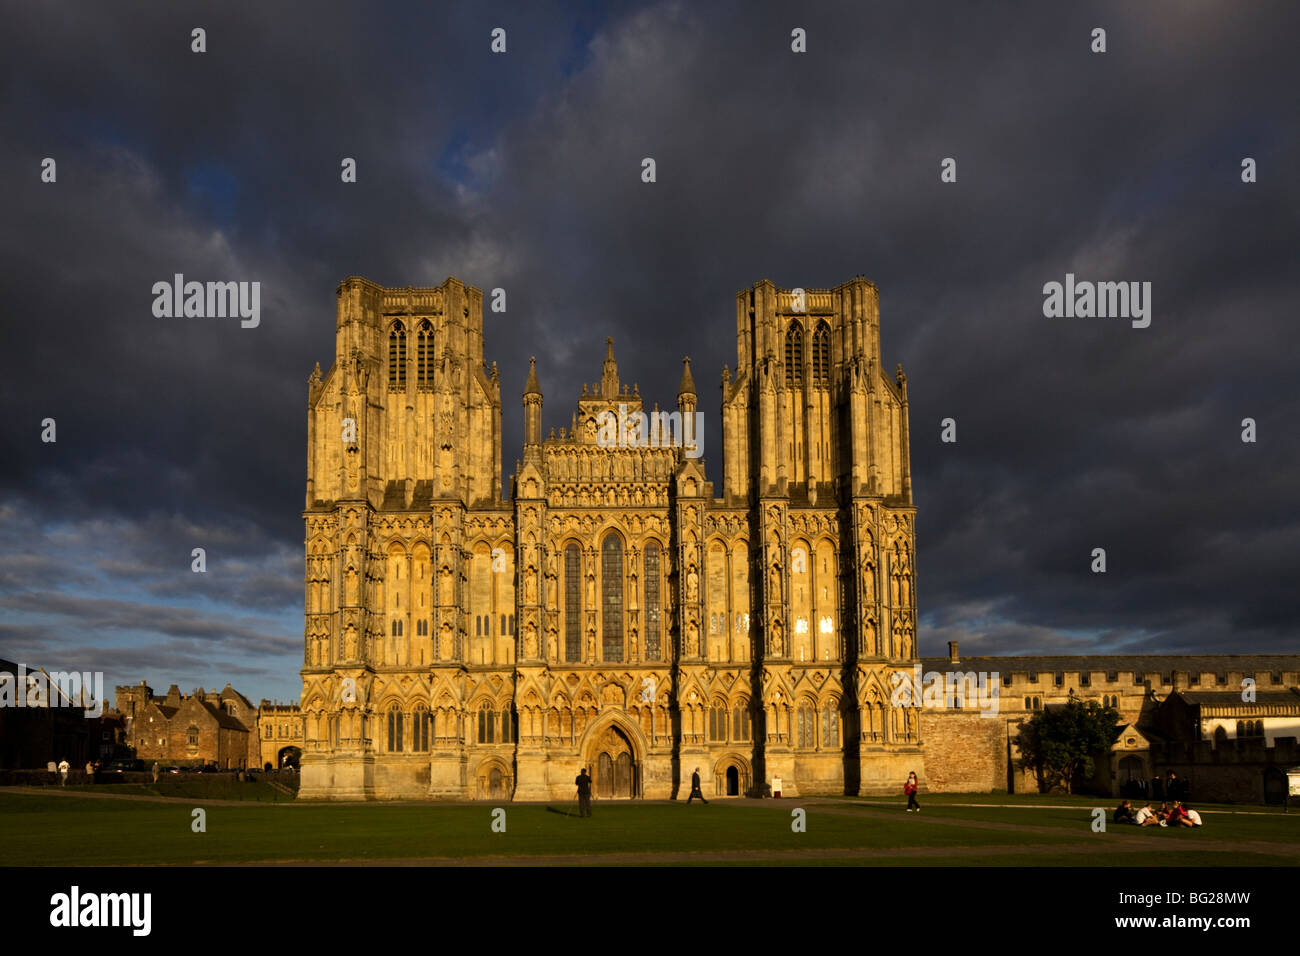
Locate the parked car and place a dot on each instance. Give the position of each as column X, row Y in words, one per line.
column 171, row 769
column 125, row 765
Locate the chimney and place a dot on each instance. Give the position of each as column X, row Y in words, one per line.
column 952, row 652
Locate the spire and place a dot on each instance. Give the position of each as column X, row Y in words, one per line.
column 532, row 406
column 688, row 384
column 609, row 374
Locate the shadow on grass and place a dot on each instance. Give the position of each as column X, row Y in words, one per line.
column 563, row 813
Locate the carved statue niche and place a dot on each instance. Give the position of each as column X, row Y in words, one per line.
column 692, row 638
column 353, row 457
column 774, row 579
column 530, row 640
column 777, row 645
column 551, row 645
column 530, row 586
column 692, row 585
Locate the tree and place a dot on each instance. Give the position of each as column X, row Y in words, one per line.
column 1059, row 742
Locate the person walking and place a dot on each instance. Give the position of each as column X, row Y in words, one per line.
column 155, row 771
column 583, row 783
column 695, row 787
column 63, row 773
column 910, row 789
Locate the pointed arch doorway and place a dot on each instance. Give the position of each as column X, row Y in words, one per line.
column 614, row 768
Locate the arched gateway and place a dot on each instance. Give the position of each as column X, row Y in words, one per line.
column 612, row 755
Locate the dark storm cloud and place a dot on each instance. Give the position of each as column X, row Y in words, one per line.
column 523, row 171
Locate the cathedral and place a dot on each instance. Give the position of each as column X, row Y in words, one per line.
column 620, row 609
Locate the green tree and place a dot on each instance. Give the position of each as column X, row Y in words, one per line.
column 1059, row 742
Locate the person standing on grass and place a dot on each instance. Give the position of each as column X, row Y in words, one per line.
column 155, row 771
column 63, row 773
column 695, row 787
column 910, row 789
column 583, row 783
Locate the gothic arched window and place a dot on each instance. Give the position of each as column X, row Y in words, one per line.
column 487, row 720
column 740, row 721
column 821, row 355
column 420, row 728
column 572, row 603
column 611, row 598
column 794, row 354
column 394, row 730
column 830, row 726
column 652, row 608
column 807, row 727
column 424, row 354
column 718, row 722
column 397, row 355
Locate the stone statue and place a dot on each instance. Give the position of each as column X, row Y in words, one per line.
column 692, row 585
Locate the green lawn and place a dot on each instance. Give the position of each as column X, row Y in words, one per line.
column 80, row 830
column 194, row 786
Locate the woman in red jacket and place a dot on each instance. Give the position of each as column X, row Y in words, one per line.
column 910, row 789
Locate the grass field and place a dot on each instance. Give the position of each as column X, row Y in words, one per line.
column 127, row 825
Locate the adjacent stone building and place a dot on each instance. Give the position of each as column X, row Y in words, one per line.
column 279, row 730
column 1226, row 723
column 206, row 727
column 622, row 609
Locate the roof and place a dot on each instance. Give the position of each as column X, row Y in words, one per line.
column 229, row 691
column 1140, row 663
column 687, row 387
column 223, row 719
column 1287, row 701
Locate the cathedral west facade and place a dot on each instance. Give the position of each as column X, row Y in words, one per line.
column 619, row 609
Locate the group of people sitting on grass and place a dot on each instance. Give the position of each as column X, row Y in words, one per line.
column 1176, row 816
